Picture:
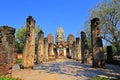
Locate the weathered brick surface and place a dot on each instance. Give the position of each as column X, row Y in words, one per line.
column 7, row 48
column 78, row 49
column 40, row 49
column 29, row 48
column 51, row 53
column 50, row 38
column 46, row 49
column 84, row 48
column 97, row 46
column 70, row 41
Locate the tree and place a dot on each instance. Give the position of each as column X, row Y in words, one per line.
column 108, row 11
column 20, row 37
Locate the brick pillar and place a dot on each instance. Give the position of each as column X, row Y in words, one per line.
column 74, row 50
column 84, row 48
column 78, row 49
column 29, row 48
column 96, row 43
column 40, row 49
column 46, row 48
column 109, row 54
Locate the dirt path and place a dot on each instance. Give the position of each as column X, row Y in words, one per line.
column 64, row 70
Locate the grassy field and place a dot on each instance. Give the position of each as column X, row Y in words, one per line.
column 6, row 78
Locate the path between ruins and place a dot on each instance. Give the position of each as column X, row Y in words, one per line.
column 64, row 70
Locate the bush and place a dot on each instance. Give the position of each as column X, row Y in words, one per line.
column 19, row 61
column 100, row 78
column 6, row 78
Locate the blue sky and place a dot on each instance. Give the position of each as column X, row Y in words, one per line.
column 49, row 14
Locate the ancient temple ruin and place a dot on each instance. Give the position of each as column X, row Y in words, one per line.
column 7, row 48
column 96, row 43
column 7, row 42
column 29, row 48
column 60, row 40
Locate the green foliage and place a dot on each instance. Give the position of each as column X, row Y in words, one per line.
column 5, row 78
column 108, row 11
column 100, row 78
column 114, row 49
column 19, row 61
column 104, row 49
column 20, row 37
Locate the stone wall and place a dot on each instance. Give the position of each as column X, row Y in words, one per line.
column 29, row 48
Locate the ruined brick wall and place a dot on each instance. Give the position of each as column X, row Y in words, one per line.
column 7, row 41
column 96, row 43
column 7, row 48
column 29, row 48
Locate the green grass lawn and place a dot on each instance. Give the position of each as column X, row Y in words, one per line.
column 5, row 78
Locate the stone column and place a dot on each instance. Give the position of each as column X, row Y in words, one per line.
column 29, row 48
column 78, row 49
column 46, row 48
column 40, row 49
column 109, row 54
column 96, row 43
column 84, row 48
